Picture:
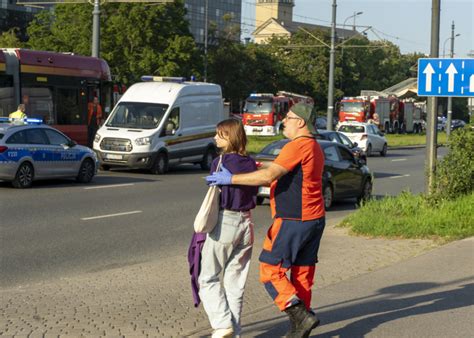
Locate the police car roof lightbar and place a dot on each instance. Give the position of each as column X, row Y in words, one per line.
column 28, row 120
column 261, row 95
column 151, row 78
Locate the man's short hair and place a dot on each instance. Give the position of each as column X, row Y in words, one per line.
column 21, row 107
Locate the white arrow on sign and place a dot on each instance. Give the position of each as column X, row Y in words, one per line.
column 451, row 71
column 429, row 71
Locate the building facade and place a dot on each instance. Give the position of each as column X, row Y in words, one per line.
column 222, row 13
column 13, row 15
column 275, row 18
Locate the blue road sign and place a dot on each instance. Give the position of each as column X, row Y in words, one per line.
column 446, row 77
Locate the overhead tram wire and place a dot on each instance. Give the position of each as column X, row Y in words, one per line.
column 259, row 22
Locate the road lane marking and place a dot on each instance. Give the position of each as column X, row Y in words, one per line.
column 110, row 186
column 399, row 159
column 112, row 215
column 398, row 176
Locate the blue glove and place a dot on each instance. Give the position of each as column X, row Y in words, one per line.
column 222, row 177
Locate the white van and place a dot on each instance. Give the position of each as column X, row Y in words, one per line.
column 161, row 123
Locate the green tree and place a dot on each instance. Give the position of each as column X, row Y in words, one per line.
column 136, row 39
column 9, row 39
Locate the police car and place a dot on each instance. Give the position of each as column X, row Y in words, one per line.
column 32, row 151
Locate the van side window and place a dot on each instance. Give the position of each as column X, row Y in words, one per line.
column 172, row 124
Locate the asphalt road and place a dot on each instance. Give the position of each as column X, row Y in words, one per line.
column 60, row 228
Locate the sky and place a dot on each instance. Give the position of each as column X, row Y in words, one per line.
column 406, row 23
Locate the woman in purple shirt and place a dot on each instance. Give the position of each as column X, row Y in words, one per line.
column 228, row 248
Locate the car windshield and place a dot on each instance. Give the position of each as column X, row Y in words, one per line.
column 137, row 115
column 351, row 129
column 352, row 106
column 258, row 107
column 274, row 148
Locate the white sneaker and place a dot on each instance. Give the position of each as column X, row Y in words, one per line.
column 223, row 333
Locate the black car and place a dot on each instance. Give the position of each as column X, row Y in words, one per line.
column 344, row 176
column 335, row 136
column 321, row 122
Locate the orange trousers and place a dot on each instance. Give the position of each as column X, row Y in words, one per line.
column 291, row 246
column 283, row 290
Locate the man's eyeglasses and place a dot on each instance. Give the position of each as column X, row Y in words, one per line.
column 292, row 118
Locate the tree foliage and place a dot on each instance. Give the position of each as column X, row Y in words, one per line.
column 136, row 39
column 454, row 175
column 9, row 39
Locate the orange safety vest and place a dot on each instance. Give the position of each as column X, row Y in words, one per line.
column 90, row 111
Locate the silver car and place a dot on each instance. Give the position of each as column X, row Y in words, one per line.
column 30, row 152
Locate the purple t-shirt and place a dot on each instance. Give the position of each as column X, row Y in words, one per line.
column 237, row 197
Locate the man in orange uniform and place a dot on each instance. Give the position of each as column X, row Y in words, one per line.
column 94, row 120
column 297, row 206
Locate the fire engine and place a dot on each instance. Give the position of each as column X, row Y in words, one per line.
column 264, row 112
column 382, row 111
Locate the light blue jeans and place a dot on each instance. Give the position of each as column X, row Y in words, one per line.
column 227, row 250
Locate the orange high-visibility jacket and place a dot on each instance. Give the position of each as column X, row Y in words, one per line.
column 90, row 110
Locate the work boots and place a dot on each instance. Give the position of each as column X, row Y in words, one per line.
column 301, row 321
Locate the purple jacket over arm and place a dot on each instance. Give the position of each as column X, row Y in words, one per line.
column 194, row 260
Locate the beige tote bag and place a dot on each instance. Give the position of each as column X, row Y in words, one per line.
column 208, row 214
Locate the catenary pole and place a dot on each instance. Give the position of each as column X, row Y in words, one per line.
column 450, row 99
column 96, row 29
column 206, row 18
column 330, row 110
column 432, row 102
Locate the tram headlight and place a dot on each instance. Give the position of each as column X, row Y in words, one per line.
column 143, row 141
column 97, row 137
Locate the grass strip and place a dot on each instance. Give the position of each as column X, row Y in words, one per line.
column 412, row 216
column 399, row 140
column 257, row 143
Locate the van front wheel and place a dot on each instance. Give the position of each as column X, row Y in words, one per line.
column 208, row 158
column 160, row 165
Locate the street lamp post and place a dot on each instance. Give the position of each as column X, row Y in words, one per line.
column 444, row 44
column 206, row 19
column 354, row 23
column 332, row 52
column 96, row 29
column 450, row 99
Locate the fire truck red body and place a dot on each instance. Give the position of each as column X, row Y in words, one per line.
column 385, row 112
column 355, row 109
column 263, row 113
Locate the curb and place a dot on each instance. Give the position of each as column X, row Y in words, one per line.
column 413, row 146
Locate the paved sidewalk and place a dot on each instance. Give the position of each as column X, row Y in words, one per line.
column 431, row 295
column 154, row 298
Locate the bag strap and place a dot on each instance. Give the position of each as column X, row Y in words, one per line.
column 220, row 163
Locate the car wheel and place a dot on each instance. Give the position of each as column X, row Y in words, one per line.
column 369, row 150
column 160, row 165
column 208, row 158
column 86, row 171
column 384, row 150
column 366, row 192
column 260, row 200
column 328, row 196
column 24, row 176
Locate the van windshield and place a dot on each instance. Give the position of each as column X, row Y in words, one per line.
column 137, row 115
